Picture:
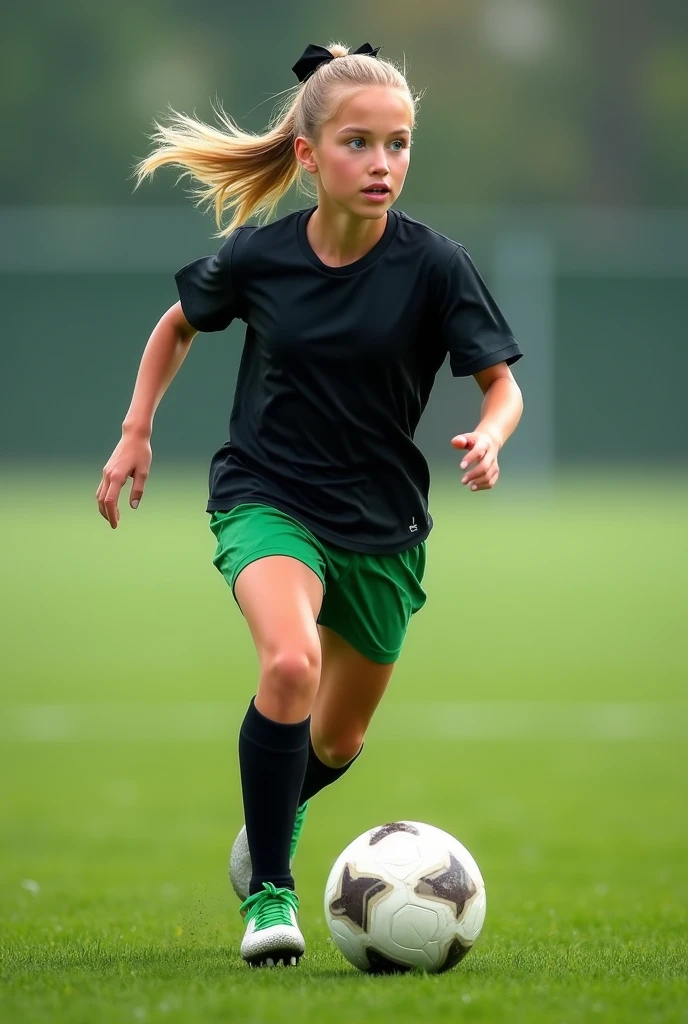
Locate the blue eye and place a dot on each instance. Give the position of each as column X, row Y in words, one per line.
column 396, row 146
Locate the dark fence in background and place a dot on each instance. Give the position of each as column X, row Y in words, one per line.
column 598, row 299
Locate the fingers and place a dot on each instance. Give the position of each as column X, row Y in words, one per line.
column 486, row 462
column 137, row 487
column 131, row 458
column 461, row 441
column 100, row 495
column 112, row 497
column 477, row 452
column 485, row 481
column 483, row 458
column 107, row 496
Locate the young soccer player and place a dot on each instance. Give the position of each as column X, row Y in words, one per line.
column 319, row 499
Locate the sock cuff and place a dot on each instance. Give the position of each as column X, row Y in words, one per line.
column 281, row 737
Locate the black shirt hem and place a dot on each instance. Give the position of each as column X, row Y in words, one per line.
column 218, row 505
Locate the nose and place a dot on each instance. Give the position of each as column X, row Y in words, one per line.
column 379, row 164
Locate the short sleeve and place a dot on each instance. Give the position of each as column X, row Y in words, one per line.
column 207, row 289
column 472, row 326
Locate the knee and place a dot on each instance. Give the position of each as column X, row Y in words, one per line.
column 292, row 674
column 337, row 751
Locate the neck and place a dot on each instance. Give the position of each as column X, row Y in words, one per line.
column 338, row 237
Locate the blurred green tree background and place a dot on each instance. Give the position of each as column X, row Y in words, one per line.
column 585, row 102
column 551, row 141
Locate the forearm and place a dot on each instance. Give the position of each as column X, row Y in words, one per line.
column 501, row 409
column 164, row 353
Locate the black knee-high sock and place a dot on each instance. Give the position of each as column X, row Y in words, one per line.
column 272, row 758
column 318, row 775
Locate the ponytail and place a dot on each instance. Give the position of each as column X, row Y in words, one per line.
column 249, row 174
column 236, row 170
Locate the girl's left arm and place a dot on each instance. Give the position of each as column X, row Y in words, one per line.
column 500, row 412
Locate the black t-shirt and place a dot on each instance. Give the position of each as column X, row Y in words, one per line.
column 337, row 367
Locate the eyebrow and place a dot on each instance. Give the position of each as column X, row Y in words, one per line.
column 367, row 131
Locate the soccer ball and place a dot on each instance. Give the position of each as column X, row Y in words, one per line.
column 405, row 895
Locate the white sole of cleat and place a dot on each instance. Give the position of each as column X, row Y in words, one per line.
column 280, row 943
column 284, row 961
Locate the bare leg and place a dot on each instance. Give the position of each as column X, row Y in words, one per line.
column 280, row 598
column 351, row 687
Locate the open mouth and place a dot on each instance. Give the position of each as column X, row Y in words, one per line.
column 376, row 190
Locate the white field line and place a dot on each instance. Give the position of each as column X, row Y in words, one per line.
column 431, row 720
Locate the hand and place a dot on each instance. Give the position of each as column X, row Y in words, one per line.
column 132, row 457
column 482, row 454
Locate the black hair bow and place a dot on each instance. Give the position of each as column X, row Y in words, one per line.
column 313, row 56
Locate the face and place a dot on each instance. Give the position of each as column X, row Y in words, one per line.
column 362, row 155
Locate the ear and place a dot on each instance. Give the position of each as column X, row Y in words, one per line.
column 305, row 154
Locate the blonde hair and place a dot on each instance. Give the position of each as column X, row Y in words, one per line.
column 249, row 174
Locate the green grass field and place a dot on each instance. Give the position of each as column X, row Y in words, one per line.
column 538, row 713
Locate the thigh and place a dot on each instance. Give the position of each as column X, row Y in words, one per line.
column 280, row 598
column 276, row 570
column 351, row 687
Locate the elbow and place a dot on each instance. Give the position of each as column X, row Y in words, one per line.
column 178, row 322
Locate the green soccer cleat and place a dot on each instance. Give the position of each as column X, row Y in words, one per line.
column 272, row 933
column 240, row 868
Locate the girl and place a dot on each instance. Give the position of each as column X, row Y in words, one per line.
column 319, row 500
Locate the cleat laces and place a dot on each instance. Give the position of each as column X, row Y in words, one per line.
column 270, row 907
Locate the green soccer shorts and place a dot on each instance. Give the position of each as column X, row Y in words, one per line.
column 368, row 599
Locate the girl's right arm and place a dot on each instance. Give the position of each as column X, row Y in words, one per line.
column 164, row 354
